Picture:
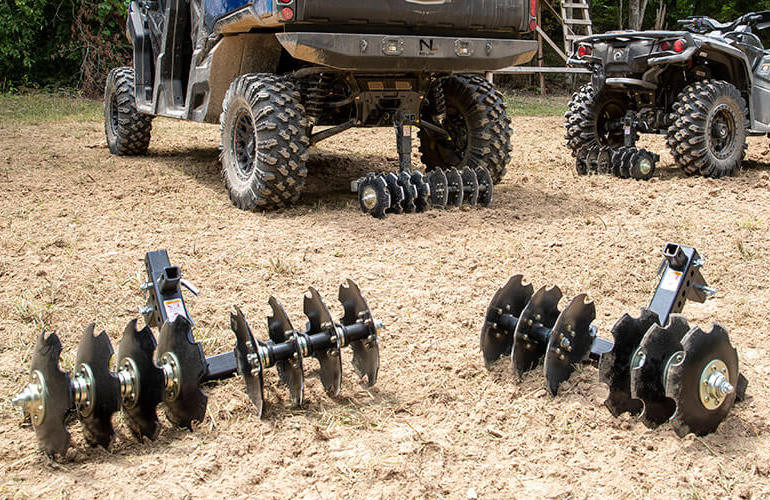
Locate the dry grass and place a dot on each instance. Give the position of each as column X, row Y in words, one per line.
column 75, row 223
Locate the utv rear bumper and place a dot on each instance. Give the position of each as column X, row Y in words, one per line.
column 387, row 53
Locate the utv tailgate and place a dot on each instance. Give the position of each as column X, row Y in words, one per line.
column 479, row 14
column 407, row 53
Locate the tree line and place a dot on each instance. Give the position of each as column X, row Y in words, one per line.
column 74, row 43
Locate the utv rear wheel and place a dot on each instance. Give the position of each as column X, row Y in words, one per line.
column 264, row 143
column 473, row 112
column 594, row 119
column 707, row 135
column 127, row 130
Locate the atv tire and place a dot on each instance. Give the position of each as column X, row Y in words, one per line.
column 474, row 115
column 587, row 121
column 127, row 130
column 709, row 124
column 263, row 142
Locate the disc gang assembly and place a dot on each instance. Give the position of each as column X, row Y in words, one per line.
column 656, row 366
column 410, row 191
column 172, row 369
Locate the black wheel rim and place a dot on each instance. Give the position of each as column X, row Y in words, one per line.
column 608, row 128
column 452, row 152
column 244, row 143
column 113, row 112
column 721, row 132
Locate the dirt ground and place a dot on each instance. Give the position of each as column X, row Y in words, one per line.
column 75, row 223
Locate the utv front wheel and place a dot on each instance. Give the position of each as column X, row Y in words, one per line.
column 473, row 112
column 707, row 135
column 127, row 130
column 263, row 142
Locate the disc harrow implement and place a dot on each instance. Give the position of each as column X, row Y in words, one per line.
column 656, row 366
column 172, row 369
column 625, row 162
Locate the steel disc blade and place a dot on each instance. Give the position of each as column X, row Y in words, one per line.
column 497, row 341
column 422, row 202
column 57, row 396
column 373, row 196
column 366, row 352
column 439, row 193
column 290, row 371
column 592, row 160
column 625, row 163
column 139, row 347
column 190, row 404
column 581, row 163
column 617, row 160
column 658, row 345
column 684, row 381
column 320, row 320
column 642, row 165
column 455, row 188
column 470, row 186
column 396, row 194
column 604, row 161
column 542, row 311
column 615, row 366
column 485, row 186
column 96, row 352
column 244, row 346
column 410, row 192
column 570, row 342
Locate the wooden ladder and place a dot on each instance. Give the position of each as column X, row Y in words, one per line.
column 576, row 22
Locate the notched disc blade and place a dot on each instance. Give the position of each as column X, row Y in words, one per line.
column 410, row 192
column 438, row 188
column 542, row 311
column 625, row 163
column 245, row 345
column 496, row 341
column 57, row 397
column 592, row 160
column 330, row 360
column 190, row 405
column 373, row 196
column 454, row 187
column 617, row 160
column 366, row 352
column 485, row 186
column 658, row 345
column 396, row 194
column 684, row 378
column 139, row 346
column 604, row 161
column 290, row 371
column 470, row 186
column 615, row 366
column 422, row 202
column 570, row 342
column 96, row 352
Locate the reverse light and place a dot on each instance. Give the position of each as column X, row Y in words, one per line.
column 679, row 45
column 287, row 14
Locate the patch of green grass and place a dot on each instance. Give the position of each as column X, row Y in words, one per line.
column 522, row 105
column 36, row 107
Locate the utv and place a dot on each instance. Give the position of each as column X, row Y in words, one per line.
column 281, row 75
column 706, row 87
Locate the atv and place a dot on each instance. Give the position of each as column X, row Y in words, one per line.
column 281, row 75
column 706, row 87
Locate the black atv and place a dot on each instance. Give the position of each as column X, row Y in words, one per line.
column 706, row 87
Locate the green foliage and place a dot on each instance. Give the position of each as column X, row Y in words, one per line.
column 54, row 43
column 37, row 107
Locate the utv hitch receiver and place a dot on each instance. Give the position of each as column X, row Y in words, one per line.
column 172, row 369
column 656, row 365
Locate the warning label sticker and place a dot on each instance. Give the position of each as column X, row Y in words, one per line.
column 174, row 308
column 671, row 280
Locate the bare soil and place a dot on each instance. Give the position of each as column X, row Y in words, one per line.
column 75, row 223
